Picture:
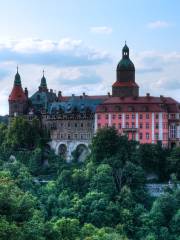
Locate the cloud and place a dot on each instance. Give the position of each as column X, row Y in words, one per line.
column 66, row 52
column 158, row 24
column 83, row 80
column 165, row 83
column 101, row 30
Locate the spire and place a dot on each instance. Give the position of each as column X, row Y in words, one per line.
column 17, row 79
column 43, row 82
column 125, row 51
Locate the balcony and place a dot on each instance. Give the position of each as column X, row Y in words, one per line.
column 130, row 129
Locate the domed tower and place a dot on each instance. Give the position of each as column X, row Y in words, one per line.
column 125, row 85
column 18, row 99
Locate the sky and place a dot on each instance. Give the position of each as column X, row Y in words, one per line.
column 78, row 43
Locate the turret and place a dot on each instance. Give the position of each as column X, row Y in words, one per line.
column 125, row 85
column 43, row 85
column 18, row 100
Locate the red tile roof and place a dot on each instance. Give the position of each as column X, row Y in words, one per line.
column 139, row 104
column 125, row 84
column 17, row 94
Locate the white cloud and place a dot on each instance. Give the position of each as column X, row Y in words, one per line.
column 65, row 52
column 158, row 24
column 101, row 30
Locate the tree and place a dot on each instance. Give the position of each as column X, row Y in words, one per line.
column 67, row 228
column 22, row 134
column 174, row 162
column 3, row 130
column 104, row 144
column 103, row 181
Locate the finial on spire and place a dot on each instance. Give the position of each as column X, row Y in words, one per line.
column 43, row 72
column 17, row 68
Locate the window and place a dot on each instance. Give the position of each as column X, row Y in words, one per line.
column 75, row 136
column 127, row 116
column 82, row 124
column 157, row 136
column 119, row 116
column 141, row 125
column 114, row 116
column 107, row 116
column 141, row 116
column 133, row 116
column 119, row 125
column 69, row 124
column 69, row 136
column 147, row 136
column 147, row 115
column 38, row 97
column 172, row 131
column 157, row 116
column 157, row 125
column 133, row 125
column 75, row 125
column 173, row 116
column 99, row 116
column 127, row 125
column 140, row 136
column 147, row 125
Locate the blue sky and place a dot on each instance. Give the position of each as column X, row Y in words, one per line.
column 79, row 42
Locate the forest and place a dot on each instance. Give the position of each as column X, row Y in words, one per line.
column 42, row 197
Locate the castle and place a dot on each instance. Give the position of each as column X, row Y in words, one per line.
column 73, row 120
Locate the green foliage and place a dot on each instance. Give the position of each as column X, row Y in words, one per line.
column 22, row 134
column 174, row 162
column 103, row 198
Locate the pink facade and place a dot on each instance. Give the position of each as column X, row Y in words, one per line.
column 154, row 124
column 143, row 127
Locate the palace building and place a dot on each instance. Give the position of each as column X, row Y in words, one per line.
column 73, row 120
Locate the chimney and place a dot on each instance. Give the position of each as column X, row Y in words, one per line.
column 26, row 92
column 147, row 94
column 109, row 94
column 59, row 94
column 84, row 94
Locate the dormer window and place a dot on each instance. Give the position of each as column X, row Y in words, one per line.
column 38, row 97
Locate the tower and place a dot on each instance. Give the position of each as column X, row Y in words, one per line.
column 125, row 85
column 43, row 85
column 18, row 100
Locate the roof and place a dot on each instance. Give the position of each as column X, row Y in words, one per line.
column 17, row 94
column 42, row 99
column 67, row 98
column 125, row 64
column 125, row 84
column 77, row 103
column 139, row 104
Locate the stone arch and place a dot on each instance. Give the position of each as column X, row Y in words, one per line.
column 62, row 150
column 81, row 152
